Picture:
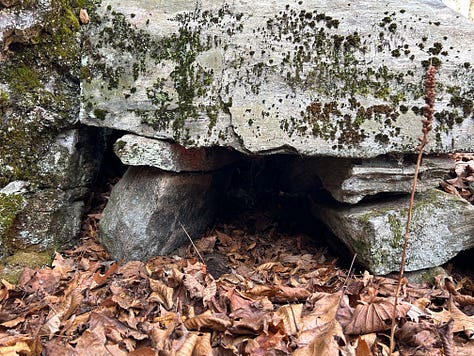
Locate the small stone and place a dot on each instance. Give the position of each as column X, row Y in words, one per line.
column 83, row 16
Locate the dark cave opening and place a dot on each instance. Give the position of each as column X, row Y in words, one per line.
column 268, row 192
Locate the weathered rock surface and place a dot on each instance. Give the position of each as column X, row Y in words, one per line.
column 464, row 7
column 49, row 219
column 136, row 150
column 41, row 141
column 147, row 207
column 349, row 181
column 442, row 226
column 20, row 24
column 312, row 77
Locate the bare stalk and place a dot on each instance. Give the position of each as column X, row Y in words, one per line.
column 430, row 83
column 192, row 243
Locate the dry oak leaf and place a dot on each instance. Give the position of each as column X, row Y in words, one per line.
column 374, row 316
column 161, row 294
column 206, row 321
column 13, row 322
column 20, row 348
column 17, row 345
column 291, row 316
column 91, row 342
column 462, row 322
column 186, row 348
column 33, row 280
column 203, row 345
column 267, row 344
column 160, row 337
column 8, row 285
column 364, row 344
column 325, row 341
column 362, row 347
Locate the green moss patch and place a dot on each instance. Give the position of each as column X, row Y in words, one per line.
column 10, row 205
column 11, row 267
column 32, row 112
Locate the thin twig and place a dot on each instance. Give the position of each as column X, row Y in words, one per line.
column 192, row 243
column 344, row 285
column 430, row 83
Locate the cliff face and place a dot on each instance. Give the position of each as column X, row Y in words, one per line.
column 46, row 159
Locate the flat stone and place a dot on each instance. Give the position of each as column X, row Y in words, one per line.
column 349, row 181
column 317, row 78
column 15, row 187
column 442, row 226
column 136, row 150
column 147, row 207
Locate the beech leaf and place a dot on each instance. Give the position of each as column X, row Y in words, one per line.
column 207, row 321
column 374, row 316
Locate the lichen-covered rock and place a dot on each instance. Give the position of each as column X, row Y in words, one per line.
column 311, row 77
column 21, row 23
column 41, row 142
column 11, row 203
column 442, row 226
column 147, row 207
column 50, row 219
column 136, row 150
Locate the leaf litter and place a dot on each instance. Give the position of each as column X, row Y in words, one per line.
column 260, row 293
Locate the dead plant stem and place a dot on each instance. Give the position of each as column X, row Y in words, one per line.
column 404, row 251
column 430, row 84
column 192, row 243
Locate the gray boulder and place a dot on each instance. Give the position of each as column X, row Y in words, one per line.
column 147, row 207
column 442, row 226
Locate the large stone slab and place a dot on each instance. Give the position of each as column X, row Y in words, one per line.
column 136, row 150
column 147, row 206
column 442, row 226
column 332, row 78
